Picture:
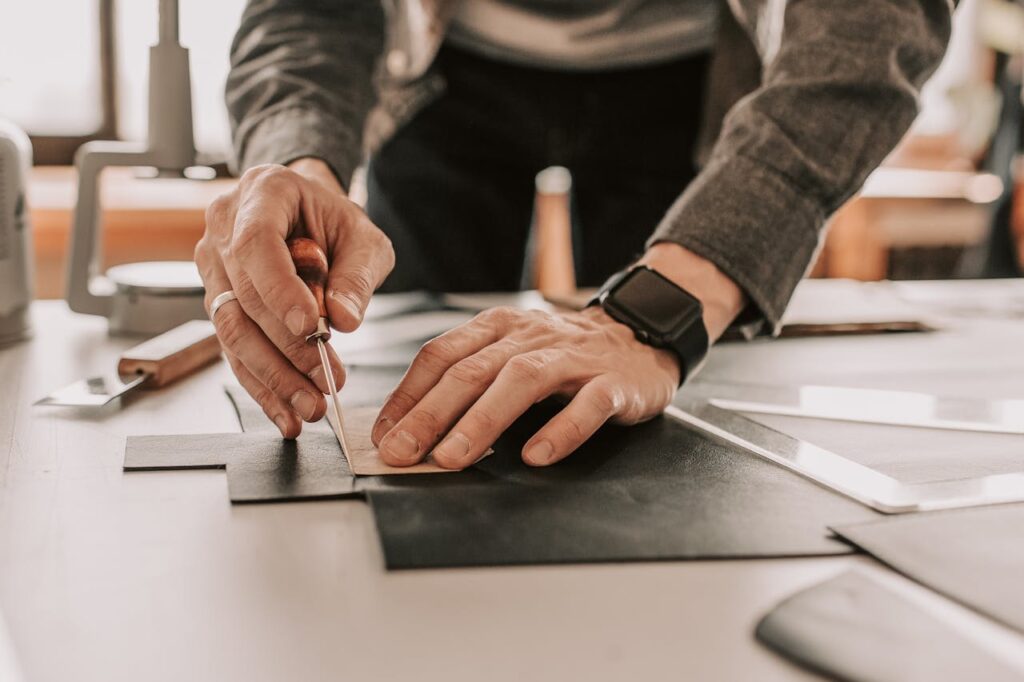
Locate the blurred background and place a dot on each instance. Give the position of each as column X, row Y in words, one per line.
column 949, row 202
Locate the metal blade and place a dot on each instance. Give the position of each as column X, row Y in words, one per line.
column 872, row 406
column 91, row 392
column 338, row 423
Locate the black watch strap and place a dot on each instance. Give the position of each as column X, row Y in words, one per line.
column 660, row 313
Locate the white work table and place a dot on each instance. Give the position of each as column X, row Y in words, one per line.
column 156, row 576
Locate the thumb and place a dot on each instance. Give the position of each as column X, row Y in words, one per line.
column 354, row 275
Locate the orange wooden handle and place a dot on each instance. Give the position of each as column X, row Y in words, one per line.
column 173, row 354
column 311, row 267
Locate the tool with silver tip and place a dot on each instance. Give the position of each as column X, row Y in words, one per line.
column 311, row 267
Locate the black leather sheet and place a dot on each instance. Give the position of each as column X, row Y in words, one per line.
column 852, row 627
column 975, row 556
column 654, row 491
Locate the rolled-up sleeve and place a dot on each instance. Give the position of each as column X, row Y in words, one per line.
column 835, row 98
column 302, row 81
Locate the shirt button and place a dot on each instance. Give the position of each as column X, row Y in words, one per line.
column 397, row 62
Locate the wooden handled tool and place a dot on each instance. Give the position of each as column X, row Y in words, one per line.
column 172, row 355
column 152, row 364
column 311, row 266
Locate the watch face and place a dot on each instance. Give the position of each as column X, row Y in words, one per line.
column 655, row 302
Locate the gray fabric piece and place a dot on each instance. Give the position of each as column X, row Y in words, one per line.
column 805, row 99
column 853, row 628
column 975, row 556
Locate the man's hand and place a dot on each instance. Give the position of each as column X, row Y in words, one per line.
column 468, row 385
column 243, row 249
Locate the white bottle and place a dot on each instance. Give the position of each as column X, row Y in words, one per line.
column 15, row 233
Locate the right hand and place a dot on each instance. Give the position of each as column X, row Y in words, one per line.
column 264, row 332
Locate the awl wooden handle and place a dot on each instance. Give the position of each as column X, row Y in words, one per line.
column 173, row 354
column 311, row 267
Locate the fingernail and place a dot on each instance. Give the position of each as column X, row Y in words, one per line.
column 295, row 320
column 304, row 403
column 317, row 377
column 402, row 447
column 452, row 450
column 350, row 306
column 381, row 428
column 539, row 453
column 282, row 425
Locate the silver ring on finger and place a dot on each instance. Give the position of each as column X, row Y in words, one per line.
column 219, row 300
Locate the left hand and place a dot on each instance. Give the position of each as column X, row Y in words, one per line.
column 467, row 386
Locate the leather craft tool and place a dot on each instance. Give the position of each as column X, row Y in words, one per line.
column 311, row 267
column 152, row 364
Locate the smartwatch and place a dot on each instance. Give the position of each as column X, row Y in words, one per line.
column 660, row 313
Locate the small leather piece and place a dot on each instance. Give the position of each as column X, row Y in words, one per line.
column 201, row 451
column 261, row 467
column 975, row 556
column 646, row 492
column 853, row 628
column 277, row 470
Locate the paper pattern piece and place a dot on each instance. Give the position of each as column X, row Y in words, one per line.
column 974, row 556
column 852, row 627
column 364, row 458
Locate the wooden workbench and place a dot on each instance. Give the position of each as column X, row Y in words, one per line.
column 108, row 576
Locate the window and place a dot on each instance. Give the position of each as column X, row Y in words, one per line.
column 57, row 84
column 88, row 77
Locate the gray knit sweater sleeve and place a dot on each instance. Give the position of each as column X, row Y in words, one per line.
column 836, row 97
column 301, row 81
